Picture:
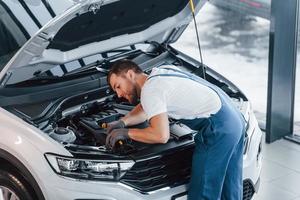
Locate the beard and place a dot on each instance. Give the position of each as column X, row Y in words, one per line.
column 133, row 97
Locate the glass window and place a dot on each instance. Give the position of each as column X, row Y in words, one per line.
column 297, row 88
column 12, row 35
column 234, row 44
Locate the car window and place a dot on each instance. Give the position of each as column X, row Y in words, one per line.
column 12, row 35
column 60, row 70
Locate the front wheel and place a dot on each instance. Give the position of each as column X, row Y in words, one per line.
column 13, row 186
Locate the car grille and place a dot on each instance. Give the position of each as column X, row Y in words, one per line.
column 168, row 170
column 248, row 189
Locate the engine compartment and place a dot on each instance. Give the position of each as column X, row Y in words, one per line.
column 73, row 111
column 82, row 126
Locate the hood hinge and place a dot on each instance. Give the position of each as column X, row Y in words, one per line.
column 4, row 79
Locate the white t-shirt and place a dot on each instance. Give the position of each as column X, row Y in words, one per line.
column 180, row 98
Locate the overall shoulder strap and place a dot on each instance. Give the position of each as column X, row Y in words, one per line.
column 180, row 75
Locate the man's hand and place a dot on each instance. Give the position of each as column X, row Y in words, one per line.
column 115, row 125
column 116, row 135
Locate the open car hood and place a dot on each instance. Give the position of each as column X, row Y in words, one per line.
column 95, row 26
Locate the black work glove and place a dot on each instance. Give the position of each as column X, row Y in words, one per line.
column 115, row 136
column 114, row 125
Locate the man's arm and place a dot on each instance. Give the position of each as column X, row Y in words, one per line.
column 135, row 116
column 157, row 132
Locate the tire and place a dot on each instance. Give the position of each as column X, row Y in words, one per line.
column 13, row 186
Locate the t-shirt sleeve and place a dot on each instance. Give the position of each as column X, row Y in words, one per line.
column 153, row 101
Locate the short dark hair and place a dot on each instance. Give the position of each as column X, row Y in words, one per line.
column 122, row 66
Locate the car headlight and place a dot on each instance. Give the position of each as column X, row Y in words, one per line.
column 250, row 128
column 246, row 143
column 111, row 170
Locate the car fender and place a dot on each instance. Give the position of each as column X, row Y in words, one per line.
column 27, row 145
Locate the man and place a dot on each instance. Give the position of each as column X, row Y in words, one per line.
column 168, row 91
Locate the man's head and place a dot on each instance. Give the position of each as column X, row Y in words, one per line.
column 122, row 78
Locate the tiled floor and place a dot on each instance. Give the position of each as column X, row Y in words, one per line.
column 280, row 178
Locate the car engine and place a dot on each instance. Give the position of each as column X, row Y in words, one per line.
column 85, row 125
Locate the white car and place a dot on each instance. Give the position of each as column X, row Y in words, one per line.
column 54, row 58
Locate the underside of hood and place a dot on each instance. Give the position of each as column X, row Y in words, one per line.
column 95, row 26
column 111, row 20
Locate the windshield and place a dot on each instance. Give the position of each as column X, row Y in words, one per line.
column 12, row 35
column 90, row 61
column 48, row 73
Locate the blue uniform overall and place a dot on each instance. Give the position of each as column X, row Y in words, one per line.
column 218, row 155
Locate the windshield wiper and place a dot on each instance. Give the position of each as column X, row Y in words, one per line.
column 37, row 80
column 96, row 65
column 101, row 65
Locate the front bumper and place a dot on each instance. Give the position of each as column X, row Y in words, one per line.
column 68, row 189
column 252, row 162
column 59, row 187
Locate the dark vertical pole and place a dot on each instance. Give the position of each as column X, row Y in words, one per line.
column 282, row 69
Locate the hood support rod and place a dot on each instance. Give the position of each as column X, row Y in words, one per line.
column 202, row 67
